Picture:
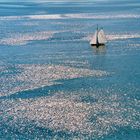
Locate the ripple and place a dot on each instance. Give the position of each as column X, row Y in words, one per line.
column 62, row 114
column 35, row 76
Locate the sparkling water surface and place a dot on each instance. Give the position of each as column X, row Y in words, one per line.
column 54, row 85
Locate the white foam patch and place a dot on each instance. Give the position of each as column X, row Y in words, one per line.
column 11, row 17
column 53, row 16
column 30, row 23
column 64, row 114
column 116, row 37
column 71, row 16
column 93, row 16
column 36, row 76
column 22, row 39
column 134, row 45
column 73, row 63
column 122, row 37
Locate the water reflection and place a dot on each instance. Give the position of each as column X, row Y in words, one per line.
column 101, row 50
column 99, row 59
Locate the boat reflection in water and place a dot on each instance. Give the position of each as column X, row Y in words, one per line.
column 101, row 50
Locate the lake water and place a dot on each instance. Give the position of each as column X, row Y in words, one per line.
column 54, row 85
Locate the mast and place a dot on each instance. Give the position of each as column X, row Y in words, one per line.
column 97, row 41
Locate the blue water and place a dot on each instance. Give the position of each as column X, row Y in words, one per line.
column 54, row 85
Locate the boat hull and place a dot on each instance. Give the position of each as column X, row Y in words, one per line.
column 98, row 45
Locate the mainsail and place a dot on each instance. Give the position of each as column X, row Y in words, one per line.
column 94, row 39
column 101, row 37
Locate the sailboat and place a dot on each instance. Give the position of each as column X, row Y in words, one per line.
column 99, row 38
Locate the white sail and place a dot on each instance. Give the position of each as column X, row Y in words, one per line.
column 101, row 37
column 94, row 39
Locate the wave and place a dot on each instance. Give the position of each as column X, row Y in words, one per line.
column 22, row 39
column 72, row 16
column 93, row 16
